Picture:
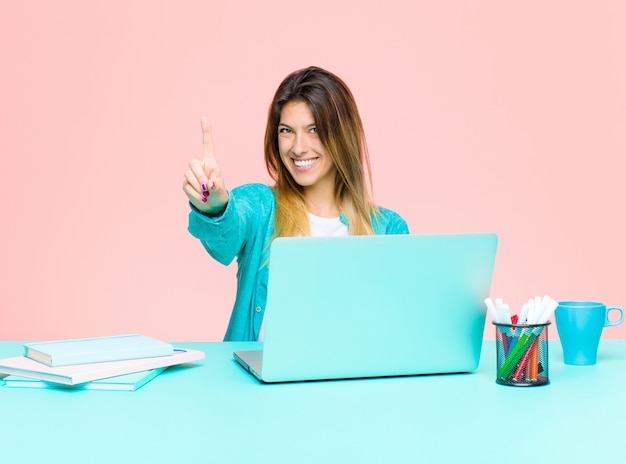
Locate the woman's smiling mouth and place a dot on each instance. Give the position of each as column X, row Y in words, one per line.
column 304, row 164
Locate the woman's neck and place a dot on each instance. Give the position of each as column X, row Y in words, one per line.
column 321, row 202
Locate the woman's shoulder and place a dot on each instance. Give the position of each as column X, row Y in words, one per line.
column 253, row 200
column 390, row 222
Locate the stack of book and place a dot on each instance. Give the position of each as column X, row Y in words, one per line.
column 124, row 362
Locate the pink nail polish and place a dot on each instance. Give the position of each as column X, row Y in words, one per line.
column 204, row 199
column 204, row 187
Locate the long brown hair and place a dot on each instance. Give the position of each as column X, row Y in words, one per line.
column 341, row 133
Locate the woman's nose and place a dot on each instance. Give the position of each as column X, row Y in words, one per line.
column 300, row 145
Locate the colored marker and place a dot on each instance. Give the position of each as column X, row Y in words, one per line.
column 517, row 376
column 534, row 361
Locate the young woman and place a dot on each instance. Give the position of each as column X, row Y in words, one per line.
column 315, row 151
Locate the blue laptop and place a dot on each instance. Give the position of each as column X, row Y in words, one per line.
column 373, row 306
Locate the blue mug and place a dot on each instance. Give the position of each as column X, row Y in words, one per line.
column 579, row 325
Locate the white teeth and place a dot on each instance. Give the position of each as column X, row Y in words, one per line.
column 303, row 163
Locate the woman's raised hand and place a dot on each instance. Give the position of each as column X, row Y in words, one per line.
column 204, row 184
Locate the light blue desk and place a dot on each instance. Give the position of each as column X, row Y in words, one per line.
column 214, row 412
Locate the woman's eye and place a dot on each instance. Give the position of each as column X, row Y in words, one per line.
column 314, row 130
column 283, row 130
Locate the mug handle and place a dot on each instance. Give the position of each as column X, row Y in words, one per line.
column 621, row 316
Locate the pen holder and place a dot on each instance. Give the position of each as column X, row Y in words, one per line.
column 522, row 354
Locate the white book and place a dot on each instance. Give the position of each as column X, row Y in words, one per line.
column 80, row 373
column 126, row 382
column 100, row 349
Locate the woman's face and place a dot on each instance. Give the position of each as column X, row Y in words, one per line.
column 301, row 150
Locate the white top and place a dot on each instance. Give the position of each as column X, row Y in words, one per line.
column 327, row 227
column 320, row 227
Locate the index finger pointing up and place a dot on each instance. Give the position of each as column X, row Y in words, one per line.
column 207, row 138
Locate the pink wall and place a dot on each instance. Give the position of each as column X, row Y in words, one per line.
column 481, row 116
